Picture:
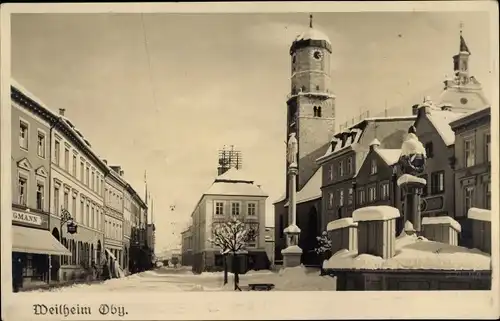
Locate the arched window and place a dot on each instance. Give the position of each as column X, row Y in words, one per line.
column 319, row 111
column 317, row 87
column 315, row 110
column 303, row 88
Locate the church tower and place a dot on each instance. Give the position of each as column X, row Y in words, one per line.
column 310, row 104
column 462, row 92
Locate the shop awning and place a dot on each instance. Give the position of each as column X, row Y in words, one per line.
column 30, row 240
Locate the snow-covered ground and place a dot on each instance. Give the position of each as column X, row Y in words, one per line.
column 166, row 279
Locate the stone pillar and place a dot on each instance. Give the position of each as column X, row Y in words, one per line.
column 412, row 187
column 292, row 253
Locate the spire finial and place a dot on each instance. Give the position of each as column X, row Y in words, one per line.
column 461, row 27
column 310, row 21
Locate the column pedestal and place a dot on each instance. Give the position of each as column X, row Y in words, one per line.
column 412, row 187
column 292, row 254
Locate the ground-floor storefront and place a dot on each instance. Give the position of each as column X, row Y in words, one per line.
column 86, row 247
column 33, row 247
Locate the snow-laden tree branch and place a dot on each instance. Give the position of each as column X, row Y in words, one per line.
column 324, row 243
column 232, row 236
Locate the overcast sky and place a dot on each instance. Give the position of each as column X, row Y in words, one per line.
column 217, row 79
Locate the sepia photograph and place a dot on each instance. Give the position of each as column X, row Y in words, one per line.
column 292, row 152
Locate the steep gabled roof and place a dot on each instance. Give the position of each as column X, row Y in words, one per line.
column 235, row 182
column 441, row 120
column 390, row 156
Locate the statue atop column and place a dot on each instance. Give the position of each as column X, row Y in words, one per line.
column 292, row 150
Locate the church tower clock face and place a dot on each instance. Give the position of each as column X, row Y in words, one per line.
column 318, row 55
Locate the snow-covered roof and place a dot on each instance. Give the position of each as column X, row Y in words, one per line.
column 390, row 156
column 312, row 189
column 341, row 223
column 441, row 120
column 234, row 183
column 414, row 253
column 438, row 220
column 479, row 214
column 354, row 133
column 375, row 213
column 235, row 175
column 313, row 34
column 471, row 114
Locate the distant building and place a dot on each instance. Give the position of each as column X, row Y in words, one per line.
column 113, row 220
column 187, row 247
column 472, row 166
column 232, row 195
column 151, row 231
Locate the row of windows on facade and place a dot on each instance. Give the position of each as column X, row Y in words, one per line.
column 93, row 181
column 236, row 208
column 343, row 168
column 470, row 158
column 436, row 186
column 113, row 229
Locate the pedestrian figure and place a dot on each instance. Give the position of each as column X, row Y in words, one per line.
column 105, row 271
column 94, row 270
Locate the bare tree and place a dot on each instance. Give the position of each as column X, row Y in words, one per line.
column 233, row 237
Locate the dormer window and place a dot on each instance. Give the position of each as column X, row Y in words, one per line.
column 373, row 167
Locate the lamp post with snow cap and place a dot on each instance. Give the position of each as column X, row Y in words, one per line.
column 412, row 162
column 292, row 253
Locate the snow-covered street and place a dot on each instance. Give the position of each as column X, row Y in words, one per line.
column 167, row 279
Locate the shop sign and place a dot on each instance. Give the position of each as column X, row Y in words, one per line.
column 27, row 218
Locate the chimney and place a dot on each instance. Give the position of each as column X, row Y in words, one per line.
column 376, row 230
column 122, row 172
column 374, row 144
column 61, row 111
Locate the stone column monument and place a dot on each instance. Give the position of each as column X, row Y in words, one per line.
column 292, row 253
column 412, row 162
